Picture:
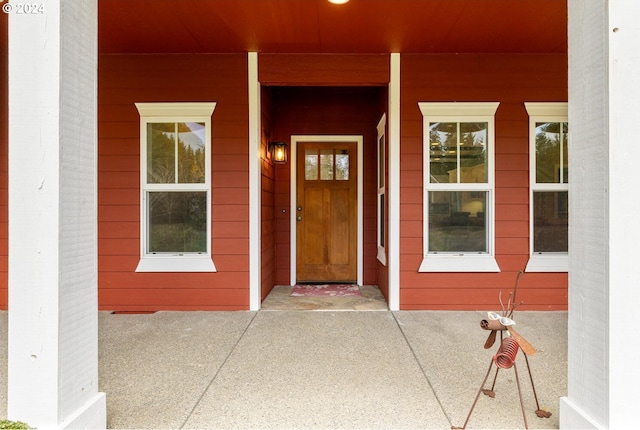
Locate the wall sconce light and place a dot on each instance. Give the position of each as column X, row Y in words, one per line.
column 278, row 152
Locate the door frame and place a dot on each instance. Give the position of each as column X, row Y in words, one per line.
column 359, row 140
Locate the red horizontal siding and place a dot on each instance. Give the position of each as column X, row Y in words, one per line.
column 268, row 252
column 482, row 299
column 512, row 178
column 119, row 230
column 411, row 228
column 124, row 80
column 511, row 212
column 114, row 196
column 229, row 196
column 115, row 179
column 138, row 299
column 510, row 80
column 170, row 281
column 507, row 161
column 411, row 195
column 512, row 229
column 230, row 229
column 336, row 69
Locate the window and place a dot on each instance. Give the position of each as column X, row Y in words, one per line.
column 175, row 182
column 458, row 187
column 549, row 185
column 382, row 171
column 326, row 164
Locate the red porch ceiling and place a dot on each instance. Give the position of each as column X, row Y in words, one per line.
column 316, row 26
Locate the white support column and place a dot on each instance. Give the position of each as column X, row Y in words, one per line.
column 604, row 63
column 255, row 184
column 394, row 182
column 53, row 318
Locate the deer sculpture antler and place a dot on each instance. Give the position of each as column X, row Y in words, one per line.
column 497, row 322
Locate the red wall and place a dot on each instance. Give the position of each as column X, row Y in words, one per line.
column 510, row 80
column 268, row 252
column 124, row 80
column 327, row 110
column 325, row 94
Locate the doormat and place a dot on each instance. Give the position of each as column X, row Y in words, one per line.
column 325, row 290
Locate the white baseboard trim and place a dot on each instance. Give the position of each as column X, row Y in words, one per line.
column 92, row 415
column 572, row 417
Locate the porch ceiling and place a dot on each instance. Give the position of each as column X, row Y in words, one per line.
column 316, row 26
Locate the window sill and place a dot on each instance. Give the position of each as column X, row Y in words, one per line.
column 548, row 263
column 459, row 263
column 382, row 256
column 176, row 264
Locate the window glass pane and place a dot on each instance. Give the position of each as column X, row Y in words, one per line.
column 565, row 153
column 454, row 160
column 161, row 153
column 457, row 221
column 326, row 164
column 473, row 152
column 177, row 222
column 443, row 152
column 551, row 221
column 381, row 231
column 548, row 149
column 381, row 161
column 342, row 165
column 311, row 164
column 191, row 153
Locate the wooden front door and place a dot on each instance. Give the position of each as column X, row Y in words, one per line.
column 326, row 235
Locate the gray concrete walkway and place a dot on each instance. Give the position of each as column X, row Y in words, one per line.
column 320, row 370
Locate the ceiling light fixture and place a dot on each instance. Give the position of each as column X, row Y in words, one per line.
column 338, row 1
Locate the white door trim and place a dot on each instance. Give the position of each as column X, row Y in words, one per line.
column 358, row 139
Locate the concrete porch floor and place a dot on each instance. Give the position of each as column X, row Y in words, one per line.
column 336, row 368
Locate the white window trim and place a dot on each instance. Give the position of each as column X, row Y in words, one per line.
column 382, row 251
column 541, row 112
column 457, row 112
column 178, row 112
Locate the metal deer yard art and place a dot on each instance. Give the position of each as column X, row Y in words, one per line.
column 505, row 358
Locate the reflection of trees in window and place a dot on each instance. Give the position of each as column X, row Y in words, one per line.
column 551, row 152
column 334, row 164
column 448, row 154
column 550, row 208
column 177, row 221
column 161, row 153
column 342, row 165
column 326, row 164
column 165, row 142
column 550, row 222
column 311, row 165
column 190, row 164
